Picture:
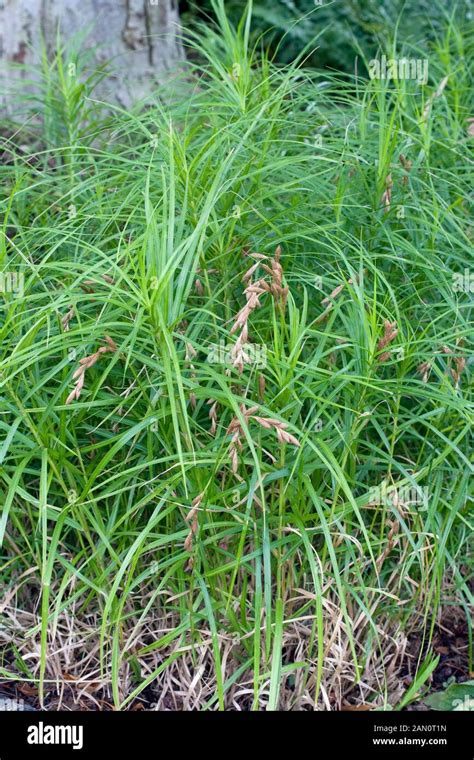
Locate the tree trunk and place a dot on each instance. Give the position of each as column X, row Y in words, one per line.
column 140, row 38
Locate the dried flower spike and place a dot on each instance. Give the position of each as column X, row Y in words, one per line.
column 424, row 369
column 192, row 520
column 67, row 318
column 213, row 416
column 87, row 363
column 189, row 356
column 235, row 429
column 387, row 195
column 390, row 333
column 252, row 293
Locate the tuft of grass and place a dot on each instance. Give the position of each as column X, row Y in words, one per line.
column 254, row 518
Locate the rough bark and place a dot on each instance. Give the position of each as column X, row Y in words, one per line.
column 139, row 37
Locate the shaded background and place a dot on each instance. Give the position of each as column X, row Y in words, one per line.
column 340, row 26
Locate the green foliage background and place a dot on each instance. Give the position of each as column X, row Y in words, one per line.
column 135, row 550
column 335, row 32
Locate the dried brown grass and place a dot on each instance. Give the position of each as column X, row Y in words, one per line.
column 75, row 679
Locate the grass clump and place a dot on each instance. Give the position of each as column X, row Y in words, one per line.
column 236, row 385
